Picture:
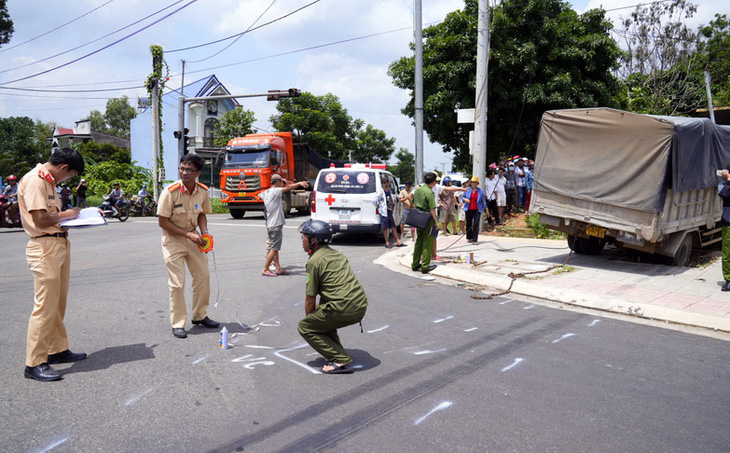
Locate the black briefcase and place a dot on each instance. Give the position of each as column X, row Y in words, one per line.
column 417, row 218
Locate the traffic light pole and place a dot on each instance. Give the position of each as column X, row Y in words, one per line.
column 181, row 115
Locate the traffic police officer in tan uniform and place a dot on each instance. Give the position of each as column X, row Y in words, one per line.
column 49, row 256
column 181, row 211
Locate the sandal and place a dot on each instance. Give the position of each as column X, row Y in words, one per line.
column 269, row 274
column 283, row 272
column 337, row 369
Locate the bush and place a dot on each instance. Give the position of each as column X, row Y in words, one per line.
column 103, row 175
column 539, row 229
column 217, row 207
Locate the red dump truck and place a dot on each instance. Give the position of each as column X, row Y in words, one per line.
column 249, row 162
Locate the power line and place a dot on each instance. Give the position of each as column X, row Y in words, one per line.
column 57, row 28
column 72, row 91
column 103, row 48
column 236, row 40
column 91, row 42
column 243, row 32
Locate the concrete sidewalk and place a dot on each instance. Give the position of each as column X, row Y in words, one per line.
column 681, row 295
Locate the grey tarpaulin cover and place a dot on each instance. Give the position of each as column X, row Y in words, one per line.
column 627, row 159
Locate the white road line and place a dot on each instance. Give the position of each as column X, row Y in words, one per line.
column 567, row 335
column 427, row 351
column 378, row 330
column 138, row 397
column 53, row 445
column 517, row 361
column 470, row 329
column 440, row 406
column 443, row 319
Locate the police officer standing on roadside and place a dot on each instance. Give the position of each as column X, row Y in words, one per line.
column 342, row 300
column 182, row 210
column 49, row 256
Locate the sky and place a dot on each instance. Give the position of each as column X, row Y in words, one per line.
column 342, row 47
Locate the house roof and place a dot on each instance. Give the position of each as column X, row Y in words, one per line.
column 65, row 131
column 206, row 86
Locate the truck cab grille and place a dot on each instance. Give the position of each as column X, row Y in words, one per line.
column 251, row 184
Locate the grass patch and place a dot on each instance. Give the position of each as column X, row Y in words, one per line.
column 539, row 229
column 217, row 207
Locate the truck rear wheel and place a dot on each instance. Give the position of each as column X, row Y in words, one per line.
column 684, row 252
column 237, row 213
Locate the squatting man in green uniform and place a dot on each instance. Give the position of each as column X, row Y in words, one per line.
column 342, row 300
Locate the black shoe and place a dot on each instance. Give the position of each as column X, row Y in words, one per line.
column 207, row 322
column 726, row 286
column 66, row 357
column 179, row 332
column 42, row 372
column 429, row 269
column 416, row 269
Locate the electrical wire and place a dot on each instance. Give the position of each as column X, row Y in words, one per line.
column 93, row 41
column 239, row 37
column 102, row 48
column 243, row 32
column 57, row 28
column 99, row 90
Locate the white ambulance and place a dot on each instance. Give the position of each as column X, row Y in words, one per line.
column 347, row 198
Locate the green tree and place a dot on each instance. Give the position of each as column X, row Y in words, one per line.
column 543, row 56
column 6, row 24
column 116, row 118
column 320, row 121
column 715, row 55
column 371, row 144
column 95, row 152
column 405, row 169
column 235, row 123
column 103, row 175
column 662, row 65
column 23, row 144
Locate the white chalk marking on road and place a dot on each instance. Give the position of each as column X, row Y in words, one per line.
column 443, row 319
column 517, row 361
column 428, row 278
column 53, row 445
column 506, row 301
column 379, row 329
column 428, row 351
column 256, row 346
column 471, row 329
column 138, row 397
column 529, row 307
column 241, row 359
column 259, row 361
column 195, row 362
column 440, row 406
column 567, row 335
column 303, row 365
column 595, row 321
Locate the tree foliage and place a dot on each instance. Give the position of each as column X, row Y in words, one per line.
column 23, row 144
column 6, row 24
column 324, row 123
column 543, row 56
column 116, row 118
column 715, row 55
column 662, row 67
column 405, row 169
column 95, row 152
column 103, row 175
column 235, row 123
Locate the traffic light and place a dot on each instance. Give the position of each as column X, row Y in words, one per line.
column 184, row 137
column 275, row 95
column 186, row 141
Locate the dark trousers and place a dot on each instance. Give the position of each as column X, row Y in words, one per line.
column 493, row 211
column 472, row 225
column 511, row 200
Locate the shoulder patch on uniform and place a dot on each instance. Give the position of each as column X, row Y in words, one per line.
column 174, row 187
column 307, row 277
column 203, row 185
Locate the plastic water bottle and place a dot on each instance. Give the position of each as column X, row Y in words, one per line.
column 224, row 338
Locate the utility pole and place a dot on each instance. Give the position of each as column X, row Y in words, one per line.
column 156, row 139
column 181, row 115
column 479, row 164
column 710, row 107
column 418, row 92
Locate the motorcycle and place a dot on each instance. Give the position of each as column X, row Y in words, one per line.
column 108, row 210
column 141, row 207
column 6, row 220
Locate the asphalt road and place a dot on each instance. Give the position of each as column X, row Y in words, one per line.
column 439, row 371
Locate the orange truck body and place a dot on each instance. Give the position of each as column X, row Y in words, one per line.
column 249, row 163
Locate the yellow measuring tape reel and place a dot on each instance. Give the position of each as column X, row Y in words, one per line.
column 208, row 243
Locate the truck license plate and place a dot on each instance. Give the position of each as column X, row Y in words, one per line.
column 345, row 214
column 596, row 231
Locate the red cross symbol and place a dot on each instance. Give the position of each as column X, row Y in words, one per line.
column 330, row 199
